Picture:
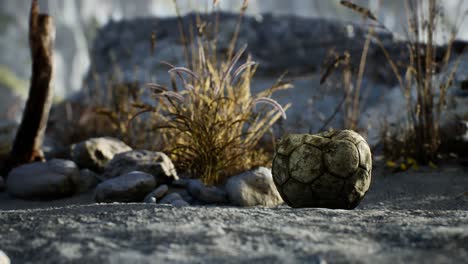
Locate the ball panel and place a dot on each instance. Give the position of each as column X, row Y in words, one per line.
column 360, row 181
column 341, row 158
column 328, row 134
column 298, row 194
column 305, row 163
column 348, row 135
column 328, row 187
column 365, row 156
column 280, row 169
column 289, row 143
column 316, row 141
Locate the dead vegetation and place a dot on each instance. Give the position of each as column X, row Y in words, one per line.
column 209, row 121
column 424, row 81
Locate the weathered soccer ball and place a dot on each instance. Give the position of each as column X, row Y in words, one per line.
column 327, row 170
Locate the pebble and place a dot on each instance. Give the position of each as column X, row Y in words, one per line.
column 209, row 195
column 168, row 199
column 179, row 203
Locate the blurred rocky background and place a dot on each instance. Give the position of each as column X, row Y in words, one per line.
column 106, row 44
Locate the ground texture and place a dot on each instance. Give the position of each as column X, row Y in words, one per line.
column 405, row 218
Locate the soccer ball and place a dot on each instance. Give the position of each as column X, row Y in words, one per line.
column 327, row 170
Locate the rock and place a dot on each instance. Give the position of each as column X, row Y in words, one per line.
column 4, row 259
column 183, row 193
column 181, row 183
column 150, row 200
column 95, row 153
column 130, row 187
column 179, row 203
column 158, row 193
column 43, row 181
column 209, row 195
column 253, row 188
column 168, row 199
column 88, row 179
column 2, row 184
column 156, row 163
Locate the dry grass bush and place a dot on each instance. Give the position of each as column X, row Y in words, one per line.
column 424, row 84
column 209, row 121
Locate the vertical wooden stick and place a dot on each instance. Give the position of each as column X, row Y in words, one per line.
column 30, row 135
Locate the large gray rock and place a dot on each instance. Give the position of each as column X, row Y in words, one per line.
column 156, row 163
column 95, row 153
column 4, row 259
column 130, row 187
column 43, row 181
column 207, row 194
column 253, row 188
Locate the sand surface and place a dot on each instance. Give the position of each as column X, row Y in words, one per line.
column 417, row 217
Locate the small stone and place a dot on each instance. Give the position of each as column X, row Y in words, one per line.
column 209, row 195
column 253, row 188
column 130, row 187
column 157, row 164
column 4, row 259
column 183, row 193
column 95, row 153
column 44, row 180
column 168, row 199
column 88, row 180
column 158, row 193
column 150, row 200
column 179, row 203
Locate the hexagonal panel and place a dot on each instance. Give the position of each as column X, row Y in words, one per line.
column 298, row 194
column 328, row 187
column 289, row 143
column 280, row 169
column 316, row 141
column 341, row 158
column 305, row 163
column 365, row 155
column 348, row 135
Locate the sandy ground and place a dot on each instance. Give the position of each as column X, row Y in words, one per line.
column 415, row 217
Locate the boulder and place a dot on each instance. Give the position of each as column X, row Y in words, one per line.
column 253, row 188
column 4, row 259
column 130, row 187
column 88, row 180
column 95, row 153
column 44, row 180
column 207, row 194
column 156, row 163
column 157, row 194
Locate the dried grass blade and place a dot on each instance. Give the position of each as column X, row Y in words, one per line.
column 359, row 9
column 273, row 103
